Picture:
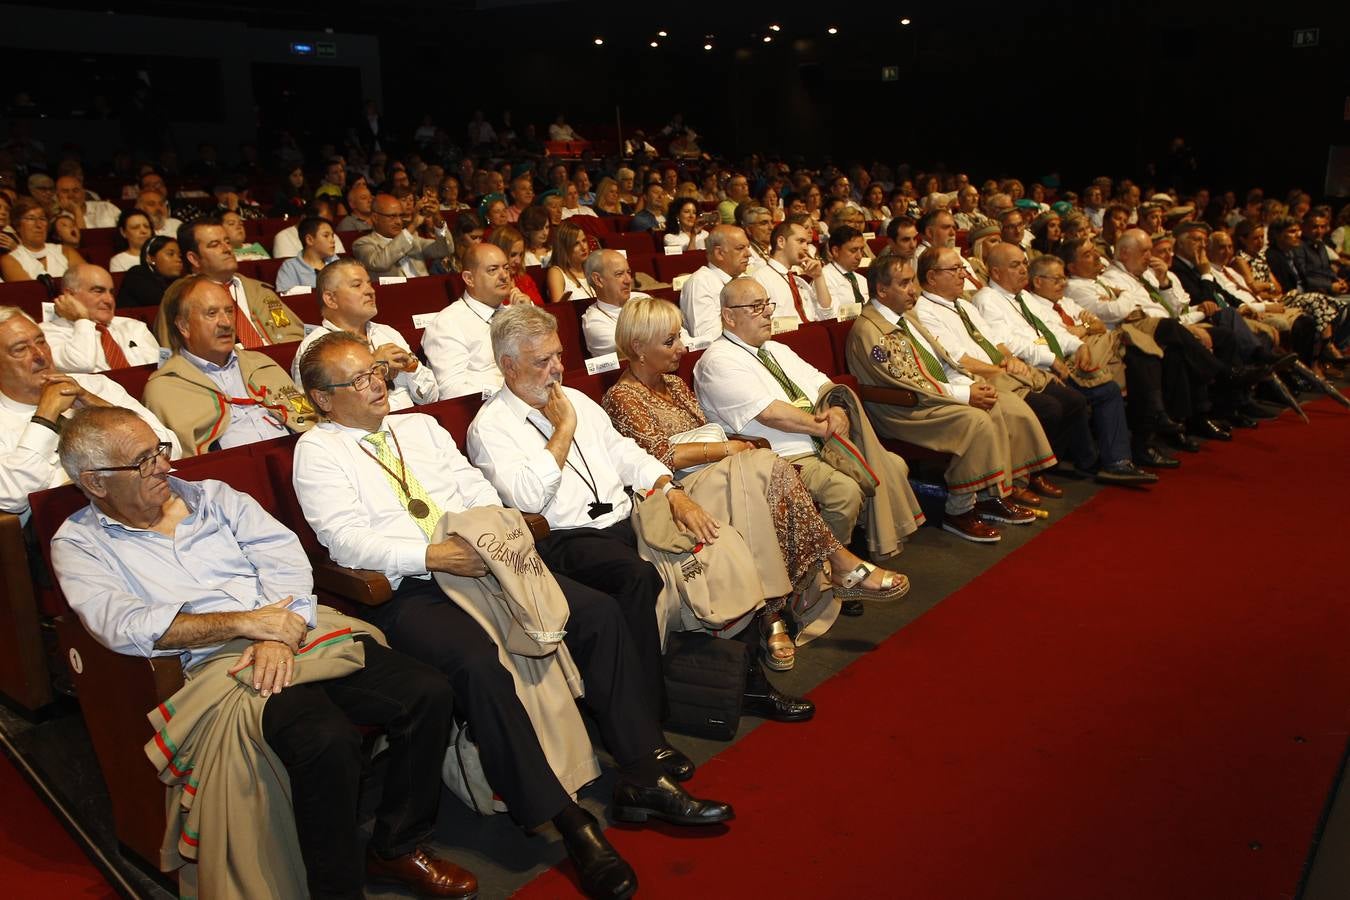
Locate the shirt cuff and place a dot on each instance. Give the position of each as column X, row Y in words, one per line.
column 40, row 439
column 960, row 393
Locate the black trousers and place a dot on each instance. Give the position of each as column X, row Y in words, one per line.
column 1063, row 414
column 606, row 559
column 312, row 728
column 1188, row 370
column 423, row 622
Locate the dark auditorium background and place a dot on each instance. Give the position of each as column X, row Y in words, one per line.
column 1020, row 89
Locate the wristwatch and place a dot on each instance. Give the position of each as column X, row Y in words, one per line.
column 671, row 485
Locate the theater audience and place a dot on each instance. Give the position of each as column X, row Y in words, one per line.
column 794, row 279
column 86, row 334
column 135, row 228
column 347, row 300
column 155, row 205
column 512, row 243
column 700, row 296
column 393, row 248
column 161, row 263
column 611, row 278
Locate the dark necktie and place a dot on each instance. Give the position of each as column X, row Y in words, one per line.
column 853, row 280
column 995, row 355
column 1040, row 327
column 111, row 351
column 928, row 360
column 796, row 296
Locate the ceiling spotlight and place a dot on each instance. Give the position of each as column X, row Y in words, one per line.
column 774, row 28
column 707, row 46
column 768, row 39
column 599, row 41
column 904, row 21
column 655, row 45
column 661, row 34
column 832, row 30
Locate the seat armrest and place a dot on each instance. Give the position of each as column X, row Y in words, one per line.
column 761, row 443
column 537, row 524
column 888, row 396
column 364, row 587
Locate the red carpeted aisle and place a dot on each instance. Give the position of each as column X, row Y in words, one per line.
column 1150, row 700
column 38, row 857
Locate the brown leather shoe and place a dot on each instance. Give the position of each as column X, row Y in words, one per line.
column 1045, row 487
column 1024, row 497
column 971, row 527
column 426, row 874
column 996, row 510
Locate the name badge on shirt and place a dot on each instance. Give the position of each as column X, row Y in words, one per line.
column 310, row 329
column 678, row 281
column 847, row 312
column 869, row 235
column 297, row 289
column 606, row 363
column 698, row 343
column 674, row 251
column 785, row 323
column 164, row 354
column 422, row 320
column 393, row 279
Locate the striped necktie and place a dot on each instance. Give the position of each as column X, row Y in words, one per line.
column 929, row 361
column 995, row 354
column 111, row 351
column 1040, row 327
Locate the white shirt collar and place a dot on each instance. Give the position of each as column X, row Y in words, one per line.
column 1004, row 292
column 886, row 312
column 518, row 407
column 478, row 307
column 205, row 366
column 735, row 340
column 940, row 301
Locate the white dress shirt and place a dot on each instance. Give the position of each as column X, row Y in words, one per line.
column 287, row 243
column 701, row 301
column 1092, row 295
column 971, row 274
column 249, row 423
column 734, row 387
column 458, row 345
column 958, row 382
column 100, row 214
column 1132, row 294
column 1231, row 281
column 76, row 346
column 1179, row 297
column 939, row 316
column 681, row 241
column 410, row 388
column 170, row 229
column 123, row 261
column 1000, row 312
column 841, row 289
column 507, row 441
column 579, row 211
column 28, row 460
column 1044, row 310
column 354, row 510
column 599, row 321
column 774, row 276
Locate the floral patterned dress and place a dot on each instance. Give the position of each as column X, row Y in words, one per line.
column 651, row 419
column 1319, row 306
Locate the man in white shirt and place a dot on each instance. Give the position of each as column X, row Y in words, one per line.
column 794, row 279
column 87, row 335
column 261, row 317
column 903, row 234
column 367, row 515
column 392, row 248
column 1300, row 328
column 34, row 399
column 347, row 298
column 457, row 343
column 153, row 204
column 1044, row 334
column 72, row 197
column 728, row 256
column 959, row 327
column 968, row 216
column 846, row 249
column 611, row 279
column 761, row 388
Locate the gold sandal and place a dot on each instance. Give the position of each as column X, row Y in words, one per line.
column 894, row 585
column 773, row 650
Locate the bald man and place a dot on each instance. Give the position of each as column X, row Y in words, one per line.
column 392, row 247
column 728, row 256
column 87, row 335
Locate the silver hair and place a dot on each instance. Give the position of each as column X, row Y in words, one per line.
column 594, row 264
column 513, row 325
column 85, row 443
column 327, row 278
column 1045, row 264
column 9, row 312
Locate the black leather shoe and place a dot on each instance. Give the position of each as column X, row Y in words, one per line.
column 1238, row 419
column 667, row 801
column 1165, row 425
column 1125, row 473
column 602, row 871
column 1185, row 442
column 1209, row 429
column 675, row 763
column 1154, row 458
column 851, row 608
column 768, row 702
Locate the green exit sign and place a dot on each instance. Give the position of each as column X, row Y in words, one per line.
column 325, row 50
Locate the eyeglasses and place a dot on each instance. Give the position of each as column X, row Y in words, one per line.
column 1053, row 279
column 32, row 218
column 143, row 467
column 756, row 309
column 947, row 269
column 361, row 380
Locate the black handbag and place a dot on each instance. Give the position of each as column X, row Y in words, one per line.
column 705, row 684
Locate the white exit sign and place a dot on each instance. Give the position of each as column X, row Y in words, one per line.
column 1305, row 37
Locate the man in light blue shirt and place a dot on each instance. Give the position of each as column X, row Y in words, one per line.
column 157, row 566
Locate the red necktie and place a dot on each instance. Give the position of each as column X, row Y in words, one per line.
column 111, row 351
column 244, row 332
column 796, row 297
column 1063, row 316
